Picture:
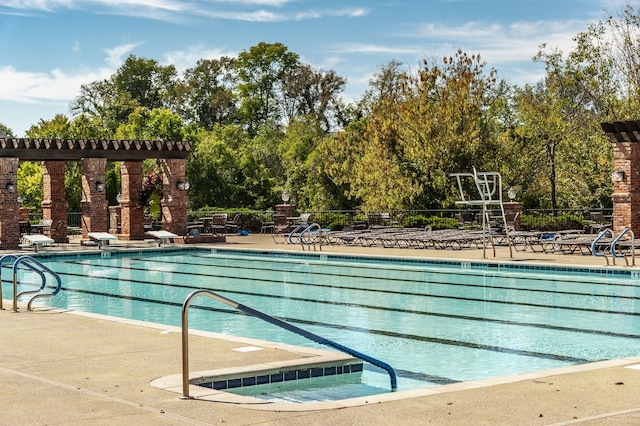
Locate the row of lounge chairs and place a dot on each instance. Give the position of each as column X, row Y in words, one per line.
column 565, row 242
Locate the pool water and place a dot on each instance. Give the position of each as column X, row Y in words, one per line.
column 434, row 322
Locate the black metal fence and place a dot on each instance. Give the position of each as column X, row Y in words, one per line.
column 530, row 219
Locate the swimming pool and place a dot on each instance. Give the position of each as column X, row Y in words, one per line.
column 434, row 322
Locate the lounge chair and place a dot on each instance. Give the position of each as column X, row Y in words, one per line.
column 102, row 238
column 163, row 236
column 37, row 241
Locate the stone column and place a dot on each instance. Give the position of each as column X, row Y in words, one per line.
column 9, row 206
column 54, row 202
column 94, row 201
column 174, row 199
column 132, row 213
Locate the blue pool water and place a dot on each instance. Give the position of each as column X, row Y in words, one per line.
column 434, row 322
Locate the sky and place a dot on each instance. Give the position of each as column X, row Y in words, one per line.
column 49, row 48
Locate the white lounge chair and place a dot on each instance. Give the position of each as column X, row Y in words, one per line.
column 103, row 238
column 163, row 236
column 37, row 241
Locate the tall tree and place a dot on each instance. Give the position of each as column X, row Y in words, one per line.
column 206, row 93
column 307, row 92
column 261, row 72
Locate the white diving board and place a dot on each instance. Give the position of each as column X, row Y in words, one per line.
column 37, row 241
column 103, row 238
column 163, row 236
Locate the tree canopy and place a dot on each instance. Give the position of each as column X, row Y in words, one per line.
column 265, row 121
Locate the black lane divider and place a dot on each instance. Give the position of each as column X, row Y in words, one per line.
column 437, row 340
column 397, row 310
column 413, row 375
column 461, row 272
column 419, row 281
column 385, row 291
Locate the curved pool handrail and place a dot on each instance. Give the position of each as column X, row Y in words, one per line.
column 314, row 228
column 2, row 260
column 38, row 268
column 273, row 320
column 621, row 255
column 296, row 232
column 594, row 243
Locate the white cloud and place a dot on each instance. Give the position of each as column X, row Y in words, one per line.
column 183, row 59
column 29, row 87
column 115, row 56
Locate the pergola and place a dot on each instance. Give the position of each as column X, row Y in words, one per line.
column 93, row 156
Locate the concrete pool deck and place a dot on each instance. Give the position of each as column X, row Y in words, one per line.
column 70, row 368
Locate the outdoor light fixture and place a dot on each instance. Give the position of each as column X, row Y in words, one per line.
column 285, row 196
column 99, row 186
column 119, row 197
column 183, row 186
column 511, row 193
column 11, row 187
column 617, row 176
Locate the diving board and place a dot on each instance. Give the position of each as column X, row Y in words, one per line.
column 163, row 236
column 103, row 238
column 37, row 241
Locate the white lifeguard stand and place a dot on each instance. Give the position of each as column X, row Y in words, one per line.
column 489, row 194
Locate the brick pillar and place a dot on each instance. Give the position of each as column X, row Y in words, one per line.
column 132, row 213
column 174, row 200
column 9, row 206
column 94, row 202
column 285, row 209
column 626, row 193
column 23, row 215
column 54, row 202
column 511, row 210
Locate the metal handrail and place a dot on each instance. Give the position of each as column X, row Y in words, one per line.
column 29, row 262
column 633, row 247
column 594, row 243
column 272, row 320
column 2, row 259
column 313, row 228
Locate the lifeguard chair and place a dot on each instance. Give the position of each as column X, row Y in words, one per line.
column 488, row 195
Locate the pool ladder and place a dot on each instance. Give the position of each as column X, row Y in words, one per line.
column 615, row 241
column 272, row 320
column 306, row 235
column 35, row 266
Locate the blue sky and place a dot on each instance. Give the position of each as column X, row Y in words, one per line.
column 49, row 48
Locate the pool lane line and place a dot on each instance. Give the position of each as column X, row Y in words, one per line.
column 385, row 291
column 625, row 286
column 404, row 293
column 437, row 340
column 389, row 309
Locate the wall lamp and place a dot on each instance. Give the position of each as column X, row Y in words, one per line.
column 618, row 176
column 99, row 186
column 11, row 187
column 183, row 186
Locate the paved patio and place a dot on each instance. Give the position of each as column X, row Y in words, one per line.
column 71, row 368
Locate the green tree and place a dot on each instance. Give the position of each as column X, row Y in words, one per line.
column 213, row 169
column 307, row 92
column 262, row 71
column 206, row 93
column 4, row 130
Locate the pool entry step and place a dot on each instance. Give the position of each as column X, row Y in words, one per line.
column 280, row 376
